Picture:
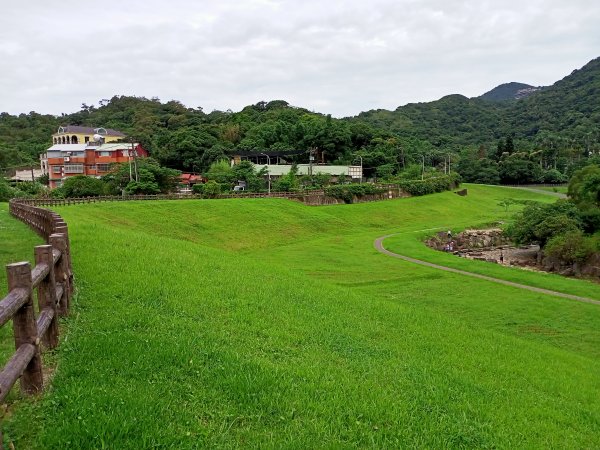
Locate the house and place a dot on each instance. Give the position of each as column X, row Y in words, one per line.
column 74, row 134
column 187, row 180
column 86, row 153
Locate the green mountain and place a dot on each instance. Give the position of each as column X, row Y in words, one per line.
column 570, row 107
column 510, row 91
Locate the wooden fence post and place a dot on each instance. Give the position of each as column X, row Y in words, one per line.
column 47, row 294
column 59, row 242
column 25, row 328
column 62, row 229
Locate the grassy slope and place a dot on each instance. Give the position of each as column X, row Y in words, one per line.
column 281, row 326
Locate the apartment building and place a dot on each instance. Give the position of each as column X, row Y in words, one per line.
column 86, row 151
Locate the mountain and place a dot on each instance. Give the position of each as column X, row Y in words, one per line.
column 569, row 108
column 510, row 91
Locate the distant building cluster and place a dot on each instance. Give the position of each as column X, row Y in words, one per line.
column 89, row 151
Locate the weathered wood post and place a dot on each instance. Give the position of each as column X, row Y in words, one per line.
column 25, row 328
column 59, row 242
column 47, row 294
column 61, row 228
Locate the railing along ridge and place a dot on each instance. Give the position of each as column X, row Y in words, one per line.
column 52, row 279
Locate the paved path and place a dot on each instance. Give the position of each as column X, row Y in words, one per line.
column 379, row 247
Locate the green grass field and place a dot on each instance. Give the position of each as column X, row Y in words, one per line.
column 270, row 324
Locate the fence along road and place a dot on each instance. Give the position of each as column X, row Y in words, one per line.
column 52, row 278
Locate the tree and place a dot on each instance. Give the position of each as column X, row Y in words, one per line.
column 584, row 187
column 82, row 186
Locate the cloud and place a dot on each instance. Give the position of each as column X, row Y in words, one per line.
column 338, row 57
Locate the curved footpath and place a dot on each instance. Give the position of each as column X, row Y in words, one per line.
column 379, row 247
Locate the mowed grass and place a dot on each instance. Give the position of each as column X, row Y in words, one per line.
column 270, row 324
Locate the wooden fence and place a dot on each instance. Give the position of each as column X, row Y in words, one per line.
column 52, row 279
column 119, row 198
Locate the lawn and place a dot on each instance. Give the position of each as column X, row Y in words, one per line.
column 269, row 324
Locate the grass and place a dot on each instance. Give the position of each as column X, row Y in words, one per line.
column 270, row 324
column 561, row 189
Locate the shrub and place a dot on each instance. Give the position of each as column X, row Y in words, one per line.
column 347, row 192
column 571, row 247
column 82, row 186
column 198, row 189
column 430, row 185
column 211, row 189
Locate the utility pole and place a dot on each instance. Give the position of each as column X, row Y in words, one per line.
column 311, row 158
column 134, row 160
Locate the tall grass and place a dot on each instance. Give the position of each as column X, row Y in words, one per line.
column 269, row 324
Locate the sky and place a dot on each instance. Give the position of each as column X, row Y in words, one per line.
column 330, row 56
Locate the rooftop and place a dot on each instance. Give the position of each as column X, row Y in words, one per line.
column 88, row 130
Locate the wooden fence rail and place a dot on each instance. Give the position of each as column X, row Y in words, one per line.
column 119, row 198
column 52, row 280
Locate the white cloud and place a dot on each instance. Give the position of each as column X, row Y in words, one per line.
column 338, row 57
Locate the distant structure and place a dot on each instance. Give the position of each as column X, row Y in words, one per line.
column 74, row 134
column 86, row 151
column 278, row 164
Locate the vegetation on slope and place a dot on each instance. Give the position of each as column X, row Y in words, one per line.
column 281, row 326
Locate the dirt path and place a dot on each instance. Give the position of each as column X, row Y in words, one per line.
column 379, row 247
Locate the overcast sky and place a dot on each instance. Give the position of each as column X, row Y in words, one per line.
column 330, row 56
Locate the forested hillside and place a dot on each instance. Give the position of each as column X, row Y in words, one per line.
column 543, row 137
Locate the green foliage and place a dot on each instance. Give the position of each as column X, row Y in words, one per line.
column 539, row 223
column 220, row 171
column 82, row 186
column 152, row 178
column 430, row 185
column 347, row 192
column 211, row 189
column 584, row 187
column 506, row 203
column 572, row 246
column 554, row 176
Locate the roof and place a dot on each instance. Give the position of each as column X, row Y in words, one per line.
column 270, row 153
column 112, row 146
column 87, row 130
column 68, row 147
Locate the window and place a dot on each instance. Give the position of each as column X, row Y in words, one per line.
column 87, row 139
column 92, row 167
column 56, row 169
column 104, row 153
column 73, row 168
column 103, row 167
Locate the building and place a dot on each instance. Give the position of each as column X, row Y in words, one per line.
column 74, row 134
column 278, row 163
column 279, row 170
column 86, row 151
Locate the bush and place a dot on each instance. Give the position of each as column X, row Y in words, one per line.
column 572, row 247
column 198, row 189
column 539, row 223
column 82, row 186
column 347, row 192
column 211, row 189
column 554, row 176
column 430, row 185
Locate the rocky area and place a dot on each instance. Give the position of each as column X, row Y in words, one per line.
column 491, row 245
